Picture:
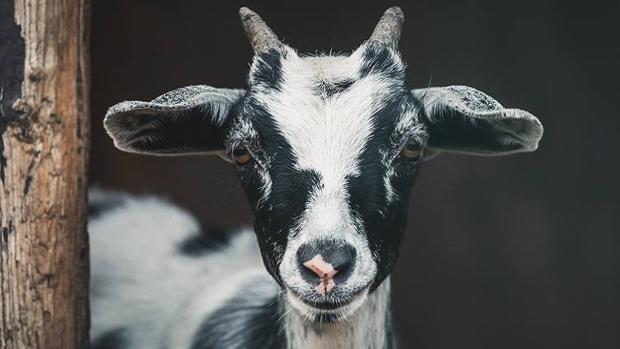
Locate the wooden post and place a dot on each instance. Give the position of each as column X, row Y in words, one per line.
column 44, row 129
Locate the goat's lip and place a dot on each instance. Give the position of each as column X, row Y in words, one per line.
column 328, row 303
column 329, row 309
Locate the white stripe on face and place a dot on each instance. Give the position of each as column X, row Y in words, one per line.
column 327, row 136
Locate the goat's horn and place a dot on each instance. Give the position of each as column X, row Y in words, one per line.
column 261, row 37
column 387, row 31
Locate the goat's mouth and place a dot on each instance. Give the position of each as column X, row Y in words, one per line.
column 327, row 309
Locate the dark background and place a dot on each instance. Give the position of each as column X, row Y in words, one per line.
column 514, row 252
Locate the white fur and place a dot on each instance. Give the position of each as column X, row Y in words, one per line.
column 142, row 284
column 364, row 329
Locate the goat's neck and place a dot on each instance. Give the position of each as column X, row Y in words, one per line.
column 369, row 327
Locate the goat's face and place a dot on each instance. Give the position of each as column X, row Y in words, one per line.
column 334, row 145
column 327, row 148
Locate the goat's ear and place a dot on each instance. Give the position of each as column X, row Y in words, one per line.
column 464, row 120
column 187, row 120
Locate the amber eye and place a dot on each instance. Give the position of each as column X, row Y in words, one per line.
column 411, row 151
column 241, row 155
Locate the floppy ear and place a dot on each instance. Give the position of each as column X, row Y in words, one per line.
column 187, row 120
column 464, row 120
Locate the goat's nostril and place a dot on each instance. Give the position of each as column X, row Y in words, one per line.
column 326, row 262
column 320, row 267
column 343, row 259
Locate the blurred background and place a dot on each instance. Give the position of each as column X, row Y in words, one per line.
column 514, row 252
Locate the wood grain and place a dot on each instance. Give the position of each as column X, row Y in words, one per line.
column 45, row 140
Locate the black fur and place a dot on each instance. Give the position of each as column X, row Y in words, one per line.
column 163, row 133
column 327, row 88
column 379, row 60
column 203, row 241
column 267, row 70
column 97, row 208
column 248, row 320
column 114, row 339
column 450, row 129
column 390, row 334
column 384, row 223
column 290, row 188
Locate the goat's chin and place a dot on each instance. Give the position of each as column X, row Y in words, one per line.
column 316, row 314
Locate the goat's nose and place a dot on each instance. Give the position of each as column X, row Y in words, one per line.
column 326, row 263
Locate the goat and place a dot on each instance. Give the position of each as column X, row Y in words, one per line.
column 327, row 149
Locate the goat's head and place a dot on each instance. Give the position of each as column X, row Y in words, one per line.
column 327, row 148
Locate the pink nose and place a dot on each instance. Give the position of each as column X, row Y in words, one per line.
column 325, row 271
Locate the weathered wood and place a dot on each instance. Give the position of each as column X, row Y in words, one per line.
column 44, row 133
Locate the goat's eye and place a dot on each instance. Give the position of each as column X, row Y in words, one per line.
column 411, row 151
column 241, row 155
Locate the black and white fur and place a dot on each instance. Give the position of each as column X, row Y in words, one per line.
column 325, row 134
